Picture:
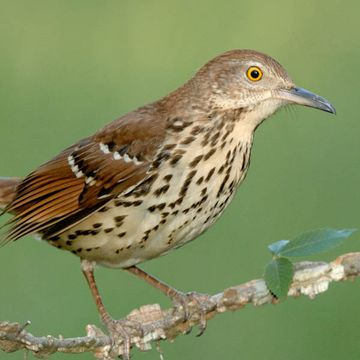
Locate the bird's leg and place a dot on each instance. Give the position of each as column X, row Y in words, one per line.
column 179, row 298
column 88, row 271
column 118, row 329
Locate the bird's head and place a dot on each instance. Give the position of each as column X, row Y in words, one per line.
column 255, row 82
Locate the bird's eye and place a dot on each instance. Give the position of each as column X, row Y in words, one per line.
column 254, row 73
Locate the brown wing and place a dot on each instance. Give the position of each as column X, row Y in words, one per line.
column 84, row 177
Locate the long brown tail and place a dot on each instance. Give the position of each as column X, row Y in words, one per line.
column 7, row 190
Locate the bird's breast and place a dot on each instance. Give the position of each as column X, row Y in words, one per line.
column 190, row 188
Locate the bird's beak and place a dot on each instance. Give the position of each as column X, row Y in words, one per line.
column 304, row 97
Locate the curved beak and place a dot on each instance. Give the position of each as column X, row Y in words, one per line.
column 304, row 97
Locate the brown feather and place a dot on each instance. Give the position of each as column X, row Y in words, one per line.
column 38, row 221
column 84, row 177
column 39, row 192
column 41, row 201
column 49, row 202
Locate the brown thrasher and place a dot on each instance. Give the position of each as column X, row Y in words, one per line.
column 157, row 177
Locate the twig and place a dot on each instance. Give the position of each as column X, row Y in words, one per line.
column 310, row 279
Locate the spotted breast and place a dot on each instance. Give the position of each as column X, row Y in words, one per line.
column 188, row 185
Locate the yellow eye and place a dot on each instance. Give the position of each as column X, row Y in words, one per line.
column 254, row 73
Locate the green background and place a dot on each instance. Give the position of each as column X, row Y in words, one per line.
column 67, row 67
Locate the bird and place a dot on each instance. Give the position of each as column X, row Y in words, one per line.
column 157, row 177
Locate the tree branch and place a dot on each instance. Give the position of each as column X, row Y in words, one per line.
column 150, row 324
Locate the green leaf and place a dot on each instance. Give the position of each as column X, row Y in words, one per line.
column 276, row 247
column 315, row 241
column 278, row 276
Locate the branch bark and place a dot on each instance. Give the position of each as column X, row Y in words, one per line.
column 150, row 324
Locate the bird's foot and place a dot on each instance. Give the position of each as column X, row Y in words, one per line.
column 192, row 304
column 121, row 332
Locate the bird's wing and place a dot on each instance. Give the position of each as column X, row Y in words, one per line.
column 84, row 177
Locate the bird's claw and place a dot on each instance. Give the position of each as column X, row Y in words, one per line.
column 121, row 333
column 182, row 303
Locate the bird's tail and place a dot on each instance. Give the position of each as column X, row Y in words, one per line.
column 8, row 188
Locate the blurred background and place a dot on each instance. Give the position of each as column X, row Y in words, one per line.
column 68, row 67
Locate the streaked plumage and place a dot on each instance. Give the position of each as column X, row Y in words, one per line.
column 159, row 176
column 119, row 172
